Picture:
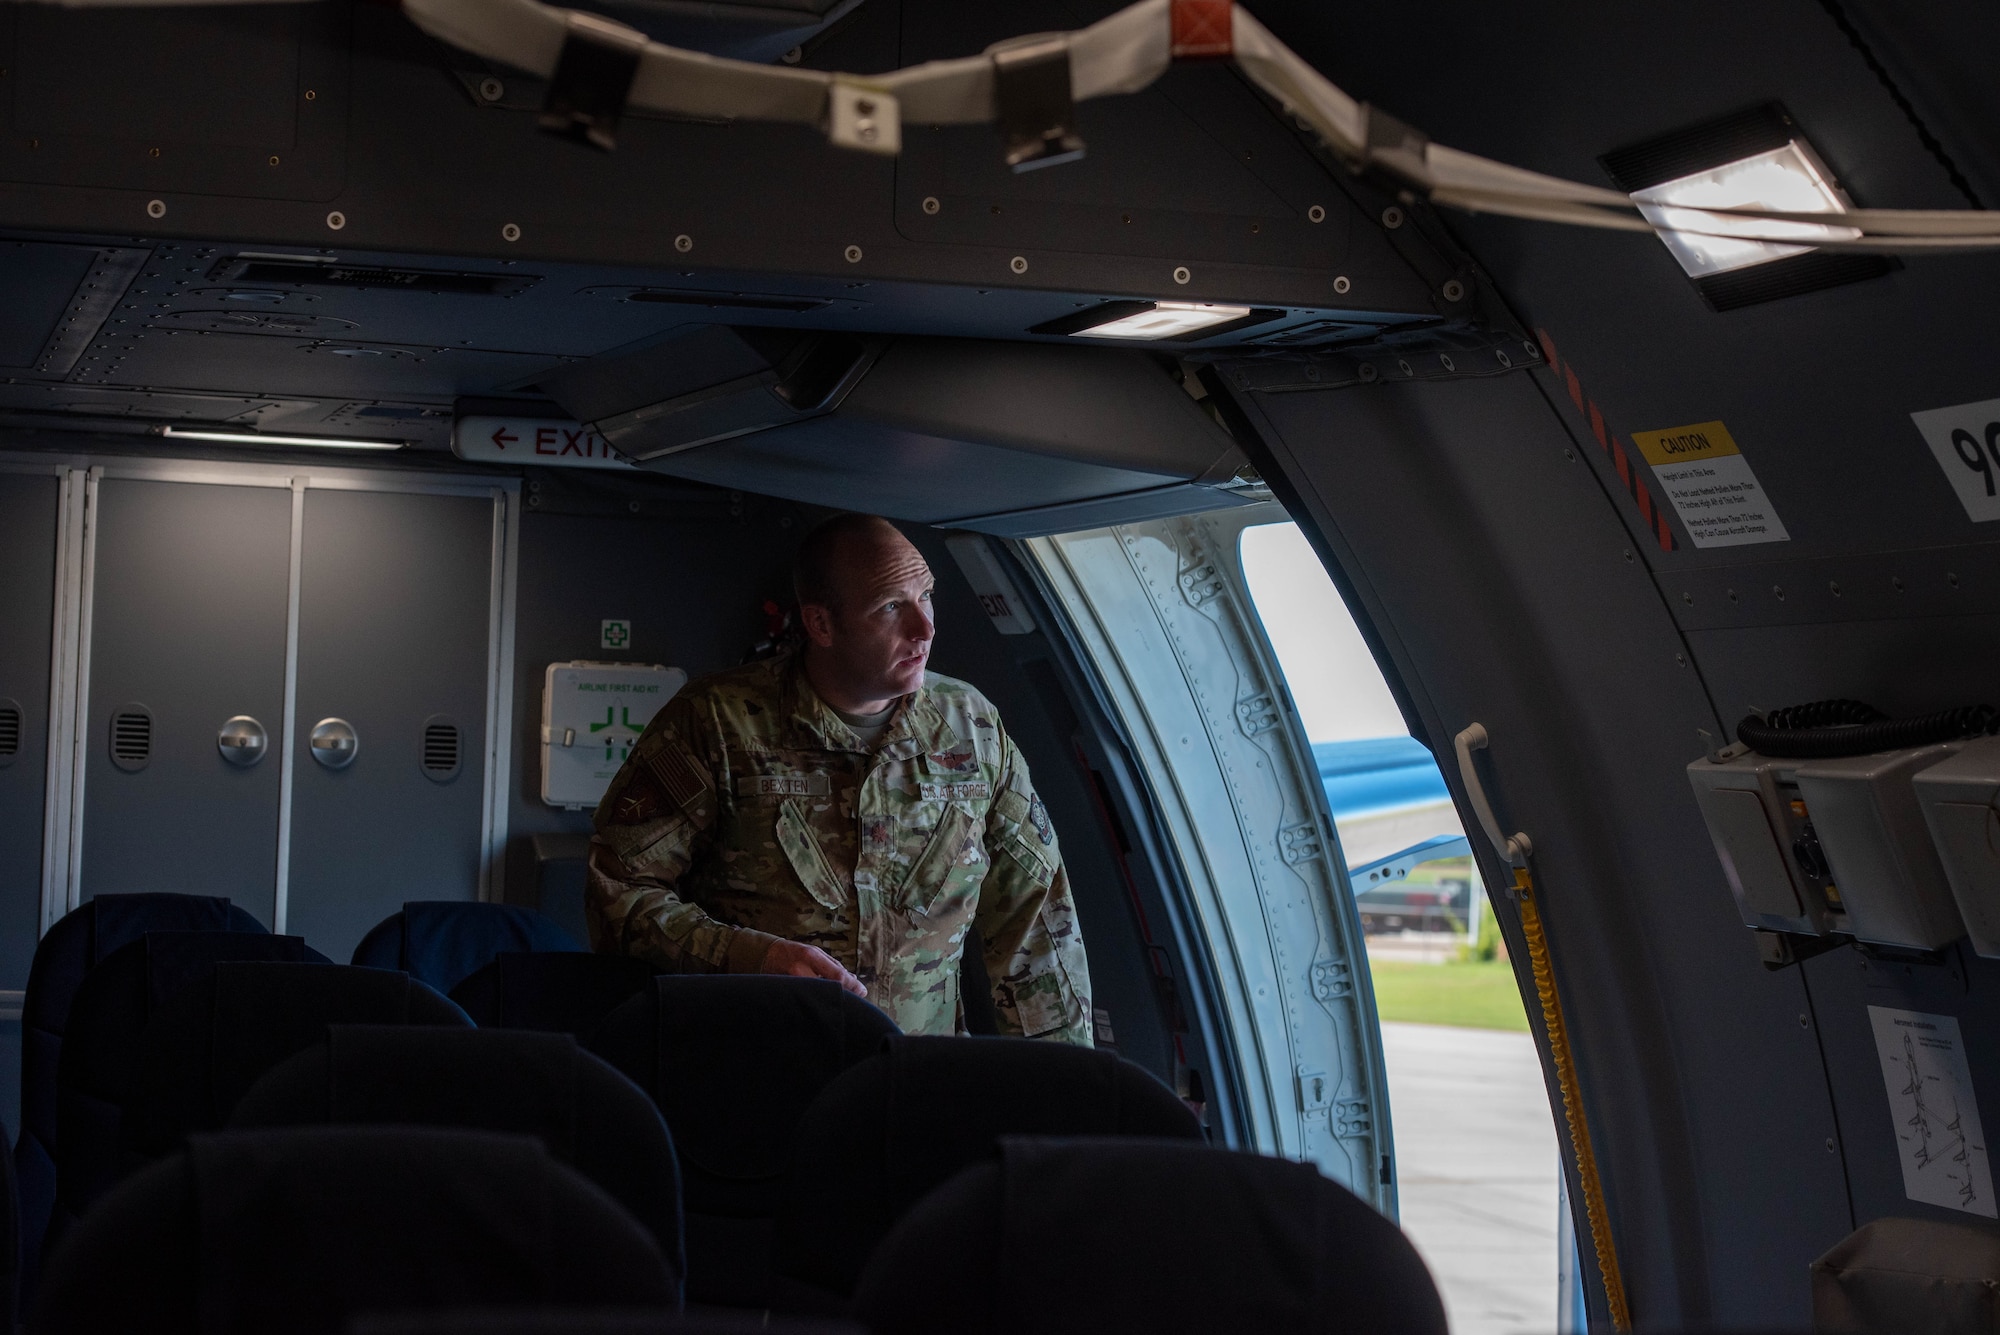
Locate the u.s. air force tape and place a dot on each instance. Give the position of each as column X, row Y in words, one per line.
column 783, row 785
column 971, row 791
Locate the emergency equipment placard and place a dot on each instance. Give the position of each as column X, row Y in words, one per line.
column 1717, row 497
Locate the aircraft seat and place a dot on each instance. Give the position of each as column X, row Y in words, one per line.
column 298, row 1230
column 78, row 942
column 893, row 1127
column 563, row 992
column 586, row 1114
column 440, row 942
column 100, row 1051
column 1138, row 1235
column 733, row 1062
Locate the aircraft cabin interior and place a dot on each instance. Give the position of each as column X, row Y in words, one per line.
column 1500, row 484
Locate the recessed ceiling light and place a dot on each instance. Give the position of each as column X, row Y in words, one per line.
column 1756, row 158
column 258, row 438
column 1157, row 321
column 1168, row 319
column 1787, row 179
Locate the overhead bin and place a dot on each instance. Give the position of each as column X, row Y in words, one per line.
column 1007, row 438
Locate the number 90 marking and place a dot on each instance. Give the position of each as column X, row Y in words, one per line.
column 1974, row 457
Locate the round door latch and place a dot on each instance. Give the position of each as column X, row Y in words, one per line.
column 334, row 743
column 242, row 741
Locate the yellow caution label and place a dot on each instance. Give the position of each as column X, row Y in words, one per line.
column 1685, row 444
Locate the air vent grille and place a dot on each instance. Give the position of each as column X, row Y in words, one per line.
column 441, row 750
column 132, row 737
column 309, row 273
column 741, row 301
column 10, row 730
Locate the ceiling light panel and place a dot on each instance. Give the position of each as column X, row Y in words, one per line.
column 1167, row 319
column 255, row 438
column 1786, row 178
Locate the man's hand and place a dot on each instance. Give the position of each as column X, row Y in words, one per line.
column 798, row 960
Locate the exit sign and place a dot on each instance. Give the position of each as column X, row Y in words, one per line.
column 533, row 440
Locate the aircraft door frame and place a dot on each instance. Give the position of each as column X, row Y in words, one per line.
column 1162, row 611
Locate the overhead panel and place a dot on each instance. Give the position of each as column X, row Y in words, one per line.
column 249, row 101
column 952, row 430
column 40, row 282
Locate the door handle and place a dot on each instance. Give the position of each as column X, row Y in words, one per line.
column 1516, row 847
column 242, row 741
column 334, row 743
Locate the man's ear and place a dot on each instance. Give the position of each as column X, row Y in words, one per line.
column 817, row 621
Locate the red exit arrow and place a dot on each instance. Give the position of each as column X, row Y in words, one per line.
column 502, row 437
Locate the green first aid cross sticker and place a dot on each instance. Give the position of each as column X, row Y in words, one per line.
column 615, row 634
column 615, row 725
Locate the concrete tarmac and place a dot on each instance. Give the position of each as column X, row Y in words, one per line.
column 1477, row 1172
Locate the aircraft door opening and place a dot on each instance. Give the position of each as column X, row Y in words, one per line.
column 1162, row 611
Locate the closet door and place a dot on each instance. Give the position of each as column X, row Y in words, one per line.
column 394, row 631
column 27, row 624
column 186, row 632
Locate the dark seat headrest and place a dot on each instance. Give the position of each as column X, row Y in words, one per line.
column 65, row 955
column 207, row 1044
column 563, row 991
column 441, row 942
column 88, row 934
column 733, row 1061
column 122, row 993
column 1139, row 1235
column 298, row 1230
column 543, row 1085
column 895, row 1126
column 103, row 1048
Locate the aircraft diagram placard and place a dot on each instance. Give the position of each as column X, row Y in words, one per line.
column 1936, row 1117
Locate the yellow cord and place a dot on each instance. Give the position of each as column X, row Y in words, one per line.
column 1579, row 1129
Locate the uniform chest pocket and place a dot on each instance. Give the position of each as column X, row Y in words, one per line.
column 802, row 850
column 952, row 862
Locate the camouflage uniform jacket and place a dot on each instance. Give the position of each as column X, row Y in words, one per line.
column 749, row 810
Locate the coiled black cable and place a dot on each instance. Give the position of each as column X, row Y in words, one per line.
column 1825, row 729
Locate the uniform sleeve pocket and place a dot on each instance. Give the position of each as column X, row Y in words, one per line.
column 802, row 850
column 953, row 857
column 1040, row 989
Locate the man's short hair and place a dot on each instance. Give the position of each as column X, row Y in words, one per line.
column 820, row 551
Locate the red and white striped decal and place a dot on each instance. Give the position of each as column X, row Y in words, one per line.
column 1629, row 472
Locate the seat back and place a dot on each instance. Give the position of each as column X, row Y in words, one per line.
column 1164, row 1237
column 299, row 1230
column 562, row 992
column 440, row 942
column 583, row 1111
column 891, row 1129
column 67, row 952
column 100, row 1055
column 209, row 1043
column 734, row 1062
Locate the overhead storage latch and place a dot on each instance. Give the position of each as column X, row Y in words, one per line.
column 1032, row 99
column 593, row 80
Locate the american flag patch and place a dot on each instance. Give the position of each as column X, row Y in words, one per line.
column 684, row 783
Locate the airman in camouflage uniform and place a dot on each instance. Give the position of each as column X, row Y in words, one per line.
column 750, row 812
